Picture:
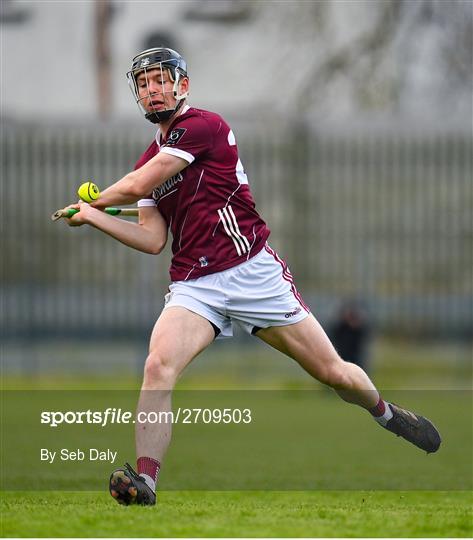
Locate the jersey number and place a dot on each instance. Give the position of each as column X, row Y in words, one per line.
column 239, row 170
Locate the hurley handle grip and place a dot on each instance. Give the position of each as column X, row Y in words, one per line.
column 69, row 212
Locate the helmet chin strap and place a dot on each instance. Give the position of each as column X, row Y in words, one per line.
column 156, row 117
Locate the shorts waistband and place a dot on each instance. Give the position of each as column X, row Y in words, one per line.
column 261, row 252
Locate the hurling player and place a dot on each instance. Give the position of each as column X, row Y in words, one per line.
column 190, row 182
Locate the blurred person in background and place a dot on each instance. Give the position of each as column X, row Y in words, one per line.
column 350, row 334
column 191, row 181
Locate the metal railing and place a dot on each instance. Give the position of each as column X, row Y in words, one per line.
column 386, row 218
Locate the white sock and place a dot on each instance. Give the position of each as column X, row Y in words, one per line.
column 384, row 418
column 149, row 482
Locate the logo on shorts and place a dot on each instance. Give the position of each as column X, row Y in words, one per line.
column 167, row 297
column 292, row 313
column 203, row 261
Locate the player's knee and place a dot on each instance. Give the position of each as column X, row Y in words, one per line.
column 336, row 375
column 158, row 371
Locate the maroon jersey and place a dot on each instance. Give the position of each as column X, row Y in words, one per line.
column 208, row 206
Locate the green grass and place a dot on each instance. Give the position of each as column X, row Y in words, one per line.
column 313, row 457
column 297, row 440
column 247, row 514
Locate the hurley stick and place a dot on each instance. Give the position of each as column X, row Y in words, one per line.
column 112, row 211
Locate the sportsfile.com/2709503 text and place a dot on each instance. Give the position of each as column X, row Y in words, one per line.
column 181, row 415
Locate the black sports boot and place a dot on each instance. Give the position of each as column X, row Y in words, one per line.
column 127, row 487
column 414, row 428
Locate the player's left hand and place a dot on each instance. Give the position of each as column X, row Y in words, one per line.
column 82, row 216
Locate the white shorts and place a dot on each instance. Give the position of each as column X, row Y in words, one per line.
column 256, row 294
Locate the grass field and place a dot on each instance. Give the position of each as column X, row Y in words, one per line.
column 402, row 492
column 248, row 514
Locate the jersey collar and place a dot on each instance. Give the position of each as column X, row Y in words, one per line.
column 158, row 132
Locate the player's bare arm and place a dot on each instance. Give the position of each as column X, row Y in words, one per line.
column 138, row 184
column 149, row 235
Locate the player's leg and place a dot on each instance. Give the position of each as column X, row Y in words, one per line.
column 177, row 338
column 307, row 343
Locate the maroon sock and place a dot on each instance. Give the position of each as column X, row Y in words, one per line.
column 149, row 466
column 379, row 409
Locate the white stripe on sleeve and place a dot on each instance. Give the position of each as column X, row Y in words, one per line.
column 178, row 153
column 146, row 202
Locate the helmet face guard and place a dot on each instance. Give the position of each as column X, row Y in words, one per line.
column 166, row 60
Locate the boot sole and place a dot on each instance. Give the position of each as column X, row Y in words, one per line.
column 122, row 488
